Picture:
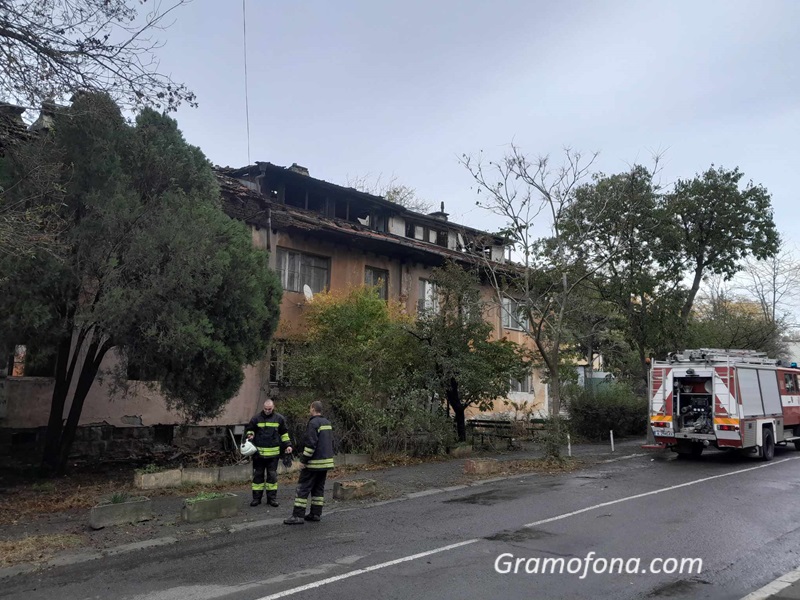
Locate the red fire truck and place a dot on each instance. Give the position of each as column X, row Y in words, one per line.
column 728, row 399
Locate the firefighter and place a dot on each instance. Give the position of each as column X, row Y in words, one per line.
column 316, row 460
column 268, row 432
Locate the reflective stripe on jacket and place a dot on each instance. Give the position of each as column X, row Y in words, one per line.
column 270, row 434
column 318, row 444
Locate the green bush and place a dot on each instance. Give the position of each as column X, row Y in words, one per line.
column 612, row 406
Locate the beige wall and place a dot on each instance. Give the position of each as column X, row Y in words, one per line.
column 28, row 398
column 28, row 402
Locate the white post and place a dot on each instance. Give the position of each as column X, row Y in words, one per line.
column 569, row 446
column 612, row 440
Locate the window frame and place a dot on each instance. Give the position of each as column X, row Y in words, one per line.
column 383, row 280
column 510, row 321
column 525, row 385
column 427, row 297
column 302, row 274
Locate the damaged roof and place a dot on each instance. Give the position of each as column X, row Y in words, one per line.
column 299, row 176
column 12, row 128
column 252, row 207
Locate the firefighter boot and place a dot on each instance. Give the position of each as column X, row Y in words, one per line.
column 316, row 511
column 298, row 513
column 271, row 501
column 256, row 499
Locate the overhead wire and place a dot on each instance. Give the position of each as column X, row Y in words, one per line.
column 246, row 99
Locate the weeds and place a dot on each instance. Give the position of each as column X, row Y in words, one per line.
column 204, row 496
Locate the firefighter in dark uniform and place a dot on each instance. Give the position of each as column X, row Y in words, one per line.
column 317, row 460
column 268, row 432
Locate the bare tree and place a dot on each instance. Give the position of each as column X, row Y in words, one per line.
column 773, row 283
column 393, row 191
column 50, row 49
column 539, row 289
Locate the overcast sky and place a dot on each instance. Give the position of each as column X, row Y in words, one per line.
column 369, row 88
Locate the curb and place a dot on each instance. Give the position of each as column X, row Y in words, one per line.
column 87, row 555
column 780, row 584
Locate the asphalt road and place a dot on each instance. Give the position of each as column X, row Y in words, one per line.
column 739, row 515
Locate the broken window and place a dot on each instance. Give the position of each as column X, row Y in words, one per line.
column 378, row 278
column 341, row 211
column 441, row 238
column 514, row 315
column 297, row 269
column 378, row 222
column 316, row 203
column 428, row 299
column 295, row 197
column 410, row 227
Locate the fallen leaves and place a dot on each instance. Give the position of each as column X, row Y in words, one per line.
column 37, row 548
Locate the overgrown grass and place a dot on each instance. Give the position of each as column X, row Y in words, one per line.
column 205, row 496
column 37, row 548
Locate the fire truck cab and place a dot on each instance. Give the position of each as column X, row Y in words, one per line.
column 728, row 399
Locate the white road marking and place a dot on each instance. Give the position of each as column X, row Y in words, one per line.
column 654, row 492
column 391, row 563
column 774, row 587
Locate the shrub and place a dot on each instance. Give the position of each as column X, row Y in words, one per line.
column 612, row 406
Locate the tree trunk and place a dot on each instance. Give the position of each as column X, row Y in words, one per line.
column 60, row 436
column 698, row 279
column 589, row 375
column 91, row 365
column 57, row 402
column 459, row 410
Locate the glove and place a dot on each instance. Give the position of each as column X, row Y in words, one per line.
column 287, row 461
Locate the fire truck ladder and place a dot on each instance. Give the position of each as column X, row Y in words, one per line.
column 721, row 356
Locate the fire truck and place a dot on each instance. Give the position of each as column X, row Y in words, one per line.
column 729, row 399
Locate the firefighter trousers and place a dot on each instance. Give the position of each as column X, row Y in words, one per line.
column 312, row 482
column 260, row 465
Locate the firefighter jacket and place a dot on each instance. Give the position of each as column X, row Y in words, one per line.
column 318, row 450
column 270, row 435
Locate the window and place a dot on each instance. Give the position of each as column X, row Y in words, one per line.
column 378, row 278
column 513, row 316
column 790, row 379
column 297, row 269
column 428, row 300
column 523, row 386
column 378, row 222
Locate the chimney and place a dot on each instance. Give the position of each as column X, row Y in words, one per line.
column 440, row 214
column 298, row 169
column 45, row 120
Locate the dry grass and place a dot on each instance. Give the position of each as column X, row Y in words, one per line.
column 37, row 548
column 25, row 502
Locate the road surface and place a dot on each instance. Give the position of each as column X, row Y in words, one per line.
column 738, row 515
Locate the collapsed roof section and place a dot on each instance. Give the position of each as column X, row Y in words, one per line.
column 288, row 198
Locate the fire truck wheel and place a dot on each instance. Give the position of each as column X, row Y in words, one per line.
column 768, row 448
column 797, row 444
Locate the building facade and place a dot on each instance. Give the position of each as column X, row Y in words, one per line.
column 319, row 236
